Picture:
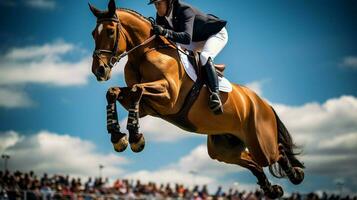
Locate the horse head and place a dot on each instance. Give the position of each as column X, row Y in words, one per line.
column 107, row 41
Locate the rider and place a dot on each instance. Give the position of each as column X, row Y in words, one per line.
column 196, row 31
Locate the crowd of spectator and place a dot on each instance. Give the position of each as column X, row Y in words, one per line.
column 18, row 185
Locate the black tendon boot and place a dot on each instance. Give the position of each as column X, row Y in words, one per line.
column 215, row 103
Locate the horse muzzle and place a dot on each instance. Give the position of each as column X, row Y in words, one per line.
column 102, row 73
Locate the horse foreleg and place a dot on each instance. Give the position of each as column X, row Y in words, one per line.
column 118, row 139
column 136, row 139
column 151, row 90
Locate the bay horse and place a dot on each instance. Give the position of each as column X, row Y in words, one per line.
column 249, row 133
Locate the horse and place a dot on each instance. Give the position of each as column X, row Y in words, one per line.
column 248, row 133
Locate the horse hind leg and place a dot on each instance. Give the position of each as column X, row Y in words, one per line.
column 287, row 161
column 295, row 174
column 228, row 149
column 271, row 191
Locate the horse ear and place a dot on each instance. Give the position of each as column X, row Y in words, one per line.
column 111, row 8
column 96, row 12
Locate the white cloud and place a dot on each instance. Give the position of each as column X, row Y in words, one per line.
column 43, row 64
column 34, row 52
column 46, row 72
column 54, row 153
column 38, row 4
column 14, row 98
column 8, row 139
column 328, row 133
column 314, row 121
column 257, row 86
column 347, row 141
column 199, row 160
column 349, row 62
column 170, row 176
column 181, row 171
column 41, row 4
column 195, row 168
column 159, row 130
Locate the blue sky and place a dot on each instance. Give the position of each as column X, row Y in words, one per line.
column 299, row 55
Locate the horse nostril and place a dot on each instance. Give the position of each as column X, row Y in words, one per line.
column 101, row 71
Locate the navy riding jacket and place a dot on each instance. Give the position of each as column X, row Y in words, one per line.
column 190, row 24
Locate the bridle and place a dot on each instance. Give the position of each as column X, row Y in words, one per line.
column 98, row 52
column 115, row 59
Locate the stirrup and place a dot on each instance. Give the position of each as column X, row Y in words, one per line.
column 215, row 103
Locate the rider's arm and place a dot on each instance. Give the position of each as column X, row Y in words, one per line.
column 185, row 29
column 179, row 37
column 184, row 35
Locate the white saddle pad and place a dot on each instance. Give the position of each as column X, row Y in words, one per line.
column 224, row 84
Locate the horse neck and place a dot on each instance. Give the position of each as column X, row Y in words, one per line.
column 136, row 29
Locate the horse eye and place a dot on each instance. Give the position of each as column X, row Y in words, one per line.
column 110, row 32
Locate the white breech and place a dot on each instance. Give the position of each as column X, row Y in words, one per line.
column 211, row 47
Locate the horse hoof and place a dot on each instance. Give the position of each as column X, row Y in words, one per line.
column 139, row 145
column 299, row 176
column 275, row 192
column 120, row 141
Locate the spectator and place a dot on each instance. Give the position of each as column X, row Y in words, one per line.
column 27, row 185
column 219, row 192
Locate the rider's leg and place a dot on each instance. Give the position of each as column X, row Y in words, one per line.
column 210, row 50
column 215, row 103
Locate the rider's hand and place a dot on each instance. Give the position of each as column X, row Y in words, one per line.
column 159, row 30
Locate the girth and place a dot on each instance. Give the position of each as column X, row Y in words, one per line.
column 181, row 118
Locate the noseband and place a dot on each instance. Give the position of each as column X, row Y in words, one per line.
column 114, row 59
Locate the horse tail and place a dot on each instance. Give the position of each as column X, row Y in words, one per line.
column 290, row 148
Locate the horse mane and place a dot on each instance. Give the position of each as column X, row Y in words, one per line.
column 136, row 13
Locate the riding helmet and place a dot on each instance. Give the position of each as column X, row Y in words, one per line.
column 153, row 1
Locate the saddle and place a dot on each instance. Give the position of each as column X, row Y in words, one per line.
column 194, row 58
column 180, row 119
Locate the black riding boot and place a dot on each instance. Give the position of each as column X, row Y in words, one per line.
column 215, row 103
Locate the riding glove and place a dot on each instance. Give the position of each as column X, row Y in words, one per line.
column 180, row 37
column 159, row 30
